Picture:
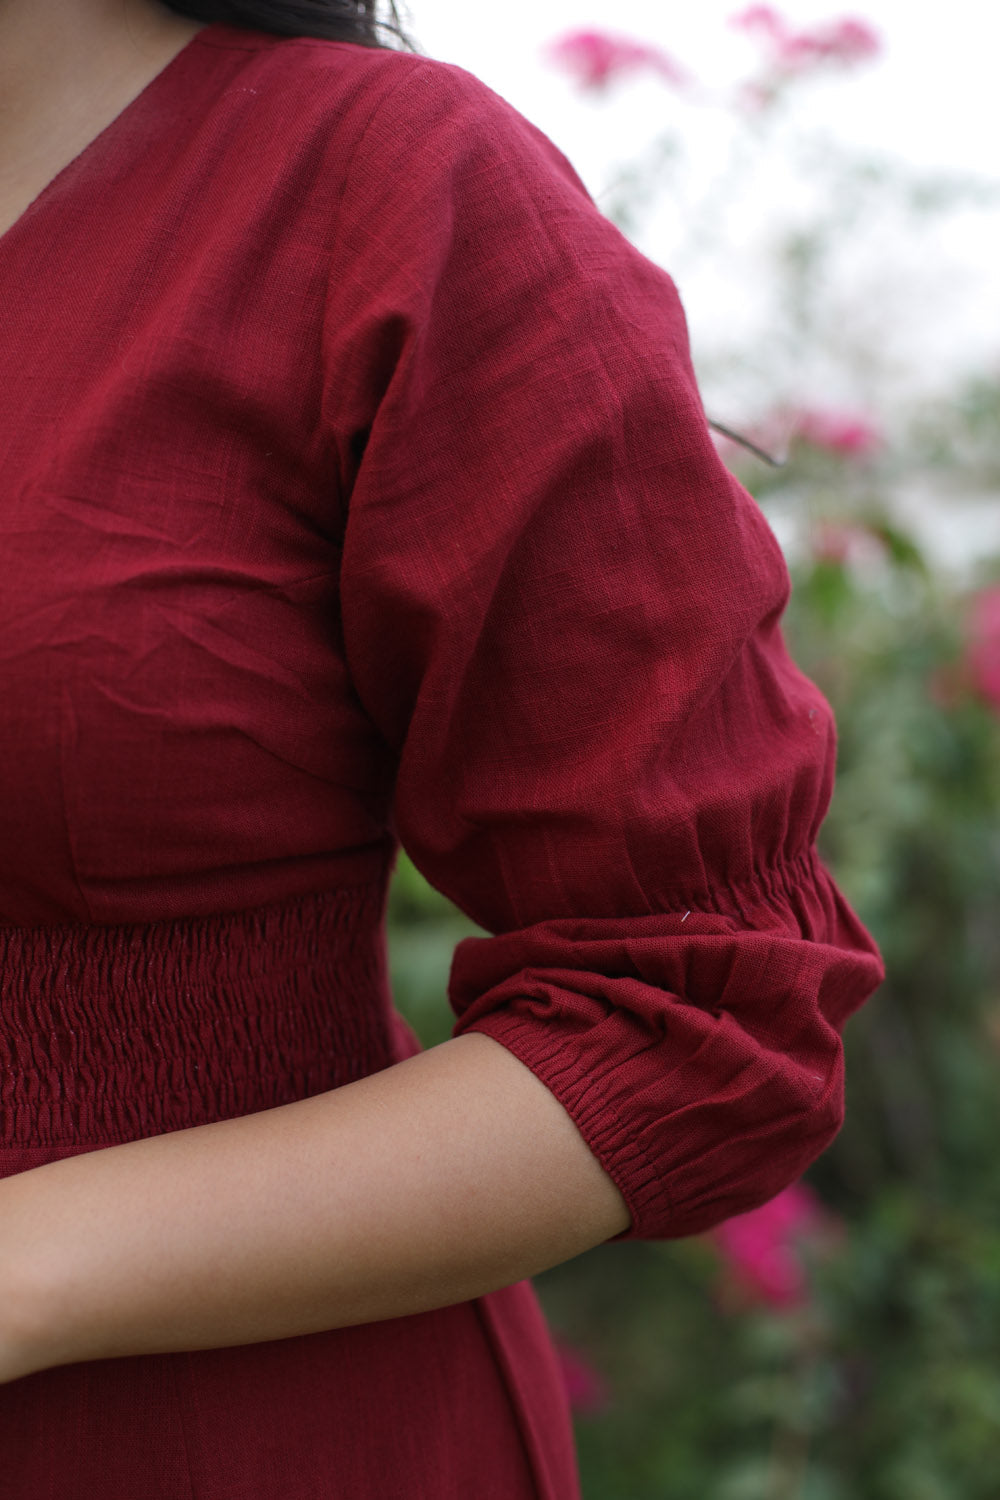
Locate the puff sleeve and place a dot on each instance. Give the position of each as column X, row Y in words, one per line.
column 562, row 614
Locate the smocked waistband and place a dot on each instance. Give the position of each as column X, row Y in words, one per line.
column 110, row 1033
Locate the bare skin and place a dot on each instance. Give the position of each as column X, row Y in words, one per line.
column 442, row 1178
column 67, row 69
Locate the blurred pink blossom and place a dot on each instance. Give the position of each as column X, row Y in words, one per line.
column 982, row 651
column 760, row 1250
column 846, row 433
column 846, row 40
column 597, row 59
column 762, row 18
column 586, row 1389
column 847, row 543
column 833, row 542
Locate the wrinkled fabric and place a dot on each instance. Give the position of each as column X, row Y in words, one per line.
column 357, row 491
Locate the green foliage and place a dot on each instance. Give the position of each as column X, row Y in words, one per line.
column 424, row 928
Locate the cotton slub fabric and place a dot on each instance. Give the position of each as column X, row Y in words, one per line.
column 356, row 490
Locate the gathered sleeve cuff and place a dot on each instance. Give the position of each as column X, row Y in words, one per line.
column 698, row 1052
column 562, row 614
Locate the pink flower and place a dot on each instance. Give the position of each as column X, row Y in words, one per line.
column 982, row 650
column 844, row 542
column 587, row 1391
column 761, row 18
column 845, row 41
column 598, row 59
column 832, row 543
column 760, row 1250
column 845, row 433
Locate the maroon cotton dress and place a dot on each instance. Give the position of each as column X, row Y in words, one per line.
column 356, row 490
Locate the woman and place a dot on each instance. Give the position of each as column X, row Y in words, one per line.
column 357, row 489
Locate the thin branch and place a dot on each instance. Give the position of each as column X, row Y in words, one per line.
column 736, row 437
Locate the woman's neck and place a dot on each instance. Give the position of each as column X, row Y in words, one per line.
column 67, row 69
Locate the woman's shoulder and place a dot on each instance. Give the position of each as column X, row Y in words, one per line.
column 308, row 77
column 393, row 100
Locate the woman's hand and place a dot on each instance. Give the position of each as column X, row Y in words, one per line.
column 437, row 1180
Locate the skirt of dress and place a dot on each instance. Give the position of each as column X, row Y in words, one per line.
column 109, row 1033
column 421, row 1408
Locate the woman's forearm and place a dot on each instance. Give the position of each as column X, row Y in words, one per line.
column 444, row 1177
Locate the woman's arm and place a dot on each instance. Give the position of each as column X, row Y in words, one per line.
column 439, row 1179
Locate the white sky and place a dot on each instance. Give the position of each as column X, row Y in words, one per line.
column 931, row 99
column 933, row 96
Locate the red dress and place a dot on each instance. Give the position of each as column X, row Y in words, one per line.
column 356, row 489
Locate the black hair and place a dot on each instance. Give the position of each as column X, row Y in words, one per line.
column 336, row 20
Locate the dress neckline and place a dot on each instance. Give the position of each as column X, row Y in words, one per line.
column 146, row 96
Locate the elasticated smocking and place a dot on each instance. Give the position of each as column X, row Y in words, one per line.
column 110, row 1033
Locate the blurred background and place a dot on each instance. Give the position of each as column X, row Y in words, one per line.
column 823, row 187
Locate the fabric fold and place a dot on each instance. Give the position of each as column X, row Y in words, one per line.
column 701, row 1059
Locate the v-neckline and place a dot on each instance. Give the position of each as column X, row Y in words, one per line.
column 135, row 105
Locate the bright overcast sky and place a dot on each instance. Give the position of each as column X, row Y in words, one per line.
column 930, row 99
column 933, row 96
